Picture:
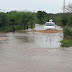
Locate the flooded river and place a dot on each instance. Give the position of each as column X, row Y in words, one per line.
column 34, row 52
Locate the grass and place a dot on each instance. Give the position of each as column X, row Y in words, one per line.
column 66, row 43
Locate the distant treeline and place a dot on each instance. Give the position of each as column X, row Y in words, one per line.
column 25, row 20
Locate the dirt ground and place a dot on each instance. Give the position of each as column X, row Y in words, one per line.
column 43, row 31
column 3, row 36
column 49, row 31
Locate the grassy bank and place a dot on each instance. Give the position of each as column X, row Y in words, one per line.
column 66, row 42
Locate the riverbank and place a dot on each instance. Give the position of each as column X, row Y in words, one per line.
column 66, row 42
column 42, row 31
column 49, row 31
column 3, row 36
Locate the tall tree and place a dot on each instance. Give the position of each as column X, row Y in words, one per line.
column 41, row 15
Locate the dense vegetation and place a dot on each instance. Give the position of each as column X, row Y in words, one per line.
column 66, row 43
column 67, row 28
column 25, row 20
column 21, row 20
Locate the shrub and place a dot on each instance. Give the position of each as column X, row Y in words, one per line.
column 67, row 31
column 66, row 43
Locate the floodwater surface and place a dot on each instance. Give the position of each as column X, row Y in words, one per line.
column 34, row 52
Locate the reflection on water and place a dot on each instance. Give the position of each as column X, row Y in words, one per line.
column 41, row 40
column 18, row 41
column 38, row 52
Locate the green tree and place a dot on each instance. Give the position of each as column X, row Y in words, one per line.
column 42, row 16
column 64, row 21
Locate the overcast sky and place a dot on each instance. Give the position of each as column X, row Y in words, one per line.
column 50, row 6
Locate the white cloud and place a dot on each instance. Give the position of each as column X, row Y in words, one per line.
column 46, row 5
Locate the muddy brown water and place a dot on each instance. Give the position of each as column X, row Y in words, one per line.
column 38, row 52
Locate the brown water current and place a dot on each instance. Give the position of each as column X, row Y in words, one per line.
column 34, row 52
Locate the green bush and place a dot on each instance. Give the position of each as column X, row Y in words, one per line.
column 67, row 31
column 66, row 43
